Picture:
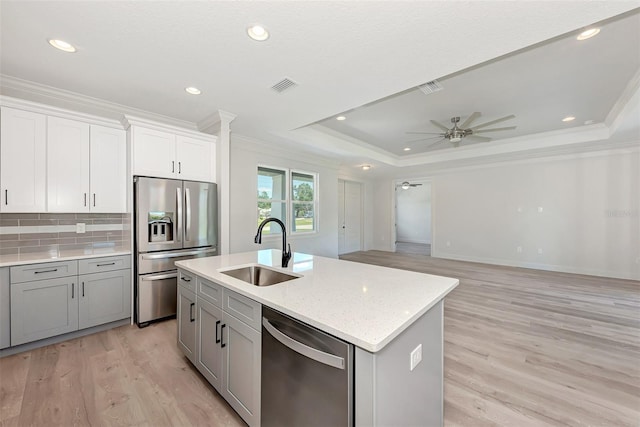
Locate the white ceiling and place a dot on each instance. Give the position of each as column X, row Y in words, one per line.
column 343, row 55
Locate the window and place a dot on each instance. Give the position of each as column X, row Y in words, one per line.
column 276, row 198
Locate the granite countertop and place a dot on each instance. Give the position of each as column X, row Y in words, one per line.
column 363, row 304
column 65, row 255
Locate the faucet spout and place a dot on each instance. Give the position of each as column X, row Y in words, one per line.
column 286, row 249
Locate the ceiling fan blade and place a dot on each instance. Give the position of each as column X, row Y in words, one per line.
column 494, row 130
column 423, row 133
column 435, row 143
column 493, row 122
column 439, row 125
column 469, row 120
column 423, row 139
column 478, row 138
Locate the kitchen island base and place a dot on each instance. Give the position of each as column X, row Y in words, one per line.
column 388, row 393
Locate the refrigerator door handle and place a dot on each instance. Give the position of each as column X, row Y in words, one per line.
column 187, row 206
column 165, row 255
column 178, row 223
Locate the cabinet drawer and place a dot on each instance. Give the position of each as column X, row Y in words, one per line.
column 243, row 308
column 187, row 280
column 212, row 292
column 41, row 271
column 98, row 265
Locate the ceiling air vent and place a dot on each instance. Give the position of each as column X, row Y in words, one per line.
column 283, row 85
column 430, row 87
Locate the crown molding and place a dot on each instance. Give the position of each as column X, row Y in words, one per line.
column 39, row 93
column 128, row 121
column 619, row 110
column 213, row 122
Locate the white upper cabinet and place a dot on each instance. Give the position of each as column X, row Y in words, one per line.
column 154, row 153
column 163, row 154
column 194, row 158
column 108, row 170
column 67, row 165
column 23, row 151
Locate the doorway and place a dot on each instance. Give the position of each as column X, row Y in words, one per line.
column 413, row 217
column 349, row 217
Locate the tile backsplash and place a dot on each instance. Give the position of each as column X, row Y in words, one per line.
column 22, row 233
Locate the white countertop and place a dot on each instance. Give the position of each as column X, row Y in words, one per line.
column 363, row 304
column 66, row 255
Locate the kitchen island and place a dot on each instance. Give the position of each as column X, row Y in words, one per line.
column 392, row 317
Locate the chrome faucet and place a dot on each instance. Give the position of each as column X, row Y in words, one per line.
column 286, row 249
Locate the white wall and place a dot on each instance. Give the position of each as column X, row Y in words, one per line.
column 413, row 214
column 246, row 155
column 589, row 224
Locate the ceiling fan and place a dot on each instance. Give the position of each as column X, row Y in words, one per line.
column 406, row 185
column 465, row 130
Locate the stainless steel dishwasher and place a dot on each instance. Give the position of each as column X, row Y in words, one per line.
column 307, row 375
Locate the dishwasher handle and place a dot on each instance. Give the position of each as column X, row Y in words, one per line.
column 303, row 349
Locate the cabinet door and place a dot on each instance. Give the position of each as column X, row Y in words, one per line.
column 43, row 308
column 23, row 154
column 194, row 158
column 108, row 170
column 5, row 309
column 209, row 353
column 104, row 297
column 241, row 368
column 154, row 153
column 67, row 165
column 187, row 322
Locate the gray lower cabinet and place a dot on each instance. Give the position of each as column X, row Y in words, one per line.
column 227, row 347
column 50, row 299
column 104, row 297
column 5, row 308
column 186, row 315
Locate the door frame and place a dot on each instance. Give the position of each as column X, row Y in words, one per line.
column 395, row 187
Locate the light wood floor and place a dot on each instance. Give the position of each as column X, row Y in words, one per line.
column 533, row 348
column 522, row 348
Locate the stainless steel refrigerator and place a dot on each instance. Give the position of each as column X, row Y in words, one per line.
column 174, row 220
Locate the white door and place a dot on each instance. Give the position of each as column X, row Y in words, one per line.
column 108, row 181
column 23, row 160
column 154, row 153
column 67, row 165
column 194, row 159
column 349, row 217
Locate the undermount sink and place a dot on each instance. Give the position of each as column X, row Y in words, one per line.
column 259, row 275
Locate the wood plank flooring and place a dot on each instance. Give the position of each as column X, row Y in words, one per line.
column 522, row 348
column 533, row 348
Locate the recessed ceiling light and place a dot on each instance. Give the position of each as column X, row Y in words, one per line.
column 587, row 34
column 258, row 32
column 407, row 149
column 341, row 118
column 568, row 119
column 366, row 167
column 62, row 45
column 193, row 90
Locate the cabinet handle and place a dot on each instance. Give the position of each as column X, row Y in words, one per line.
column 45, row 271
column 6, row 197
column 185, row 279
column 223, row 345
column 191, row 317
column 179, row 167
column 102, row 265
column 94, row 200
column 173, row 166
column 85, row 199
column 82, row 289
column 217, row 339
column 73, row 285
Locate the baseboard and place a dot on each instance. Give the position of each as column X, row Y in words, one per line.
column 418, row 242
column 538, row 266
column 64, row 337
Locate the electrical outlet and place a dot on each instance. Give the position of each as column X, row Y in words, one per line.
column 81, row 228
column 415, row 357
column 519, row 249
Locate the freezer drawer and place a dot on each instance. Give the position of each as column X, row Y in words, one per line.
column 156, row 296
column 164, row 261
